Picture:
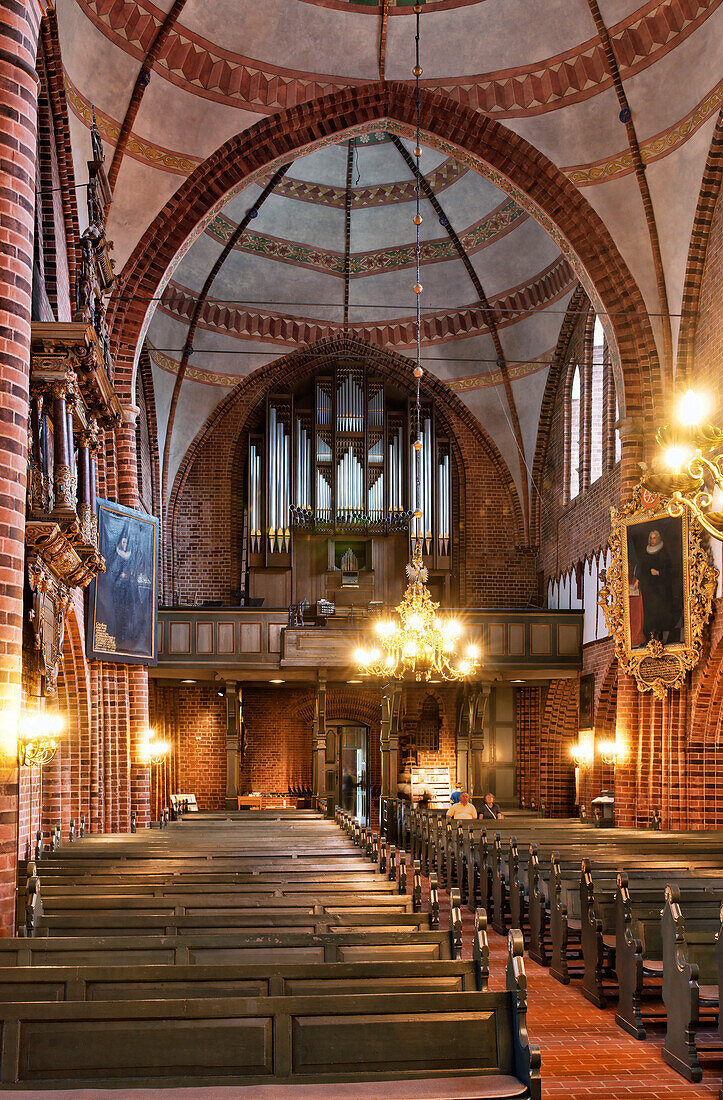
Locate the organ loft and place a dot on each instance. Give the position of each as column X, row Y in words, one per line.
column 361, row 549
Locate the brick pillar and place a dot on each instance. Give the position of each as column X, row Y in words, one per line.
column 19, row 25
column 127, row 478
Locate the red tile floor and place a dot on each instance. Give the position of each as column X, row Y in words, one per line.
column 584, row 1052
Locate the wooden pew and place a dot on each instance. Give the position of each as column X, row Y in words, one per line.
column 691, row 979
column 339, row 945
column 480, row 1037
column 639, row 948
column 285, row 978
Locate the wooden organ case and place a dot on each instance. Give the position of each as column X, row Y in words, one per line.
column 330, row 493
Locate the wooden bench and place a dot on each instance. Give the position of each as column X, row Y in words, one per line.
column 472, row 1044
column 691, row 979
column 639, row 946
column 93, row 983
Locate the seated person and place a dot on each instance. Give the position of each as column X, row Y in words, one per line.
column 490, row 807
column 455, row 796
column 463, row 810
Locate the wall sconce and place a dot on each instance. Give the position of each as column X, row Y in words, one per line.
column 610, row 752
column 155, row 751
column 581, row 756
column 37, row 739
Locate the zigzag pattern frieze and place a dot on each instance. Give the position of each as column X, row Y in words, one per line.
column 582, row 175
column 488, row 230
column 543, row 289
column 203, row 67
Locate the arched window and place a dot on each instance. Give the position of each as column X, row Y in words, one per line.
column 596, row 434
column 574, row 447
column 592, row 442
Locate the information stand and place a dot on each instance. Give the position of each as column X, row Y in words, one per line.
column 434, row 780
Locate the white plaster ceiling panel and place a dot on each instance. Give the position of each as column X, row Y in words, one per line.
column 163, row 384
column 528, row 393
column 308, row 223
column 393, row 227
column 462, row 358
column 490, row 407
column 326, row 166
column 238, row 206
column 289, row 34
column 535, row 336
column 675, row 187
column 578, row 134
column 486, row 37
column 195, row 405
column 512, row 260
column 100, row 71
column 140, row 194
column 446, row 285
column 198, row 261
column 177, row 119
column 619, row 205
column 217, row 357
column 256, row 283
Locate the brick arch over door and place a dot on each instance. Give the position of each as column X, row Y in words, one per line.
column 207, row 493
column 504, row 157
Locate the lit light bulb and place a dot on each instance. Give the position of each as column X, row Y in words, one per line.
column 384, row 628
column 374, row 655
column 473, row 652
column 410, row 649
column 360, row 656
column 676, row 458
column 464, row 667
column 451, row 628
column 692, row 408
column 415, row 622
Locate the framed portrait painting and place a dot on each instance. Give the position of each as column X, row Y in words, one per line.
column 122, row 601
column 657, row 591
column 586, row 711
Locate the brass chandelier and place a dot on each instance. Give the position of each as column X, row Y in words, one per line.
column 420, row 642
column 687, row 471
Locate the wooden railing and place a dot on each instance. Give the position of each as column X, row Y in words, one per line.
column 257, row 638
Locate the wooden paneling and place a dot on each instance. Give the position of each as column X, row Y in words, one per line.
column 250, row 637
column 180, row 637
column 204, row 637
column 540, row 639
column 226, row 638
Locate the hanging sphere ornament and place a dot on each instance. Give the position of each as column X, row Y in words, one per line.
column 417, row 372
column 417, row 446
column 417, row 70
column 418, row 288
column 417, row 219
column 417, row 150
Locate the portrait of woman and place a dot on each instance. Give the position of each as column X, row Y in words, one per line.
column 122, row 600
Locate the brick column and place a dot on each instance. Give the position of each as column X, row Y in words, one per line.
column 127, row 478
column 19, row 25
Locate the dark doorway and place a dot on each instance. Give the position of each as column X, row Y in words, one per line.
column 353, row 771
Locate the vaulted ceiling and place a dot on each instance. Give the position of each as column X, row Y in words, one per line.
column 332, row 242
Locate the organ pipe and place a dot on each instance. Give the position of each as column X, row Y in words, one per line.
column 343, row 462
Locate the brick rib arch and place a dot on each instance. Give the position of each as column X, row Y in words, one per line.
column 511, row 162
column 238, row 407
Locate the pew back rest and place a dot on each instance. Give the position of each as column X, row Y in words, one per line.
column 253, row 1040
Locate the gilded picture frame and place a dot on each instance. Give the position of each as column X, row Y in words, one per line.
column 657, row 592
